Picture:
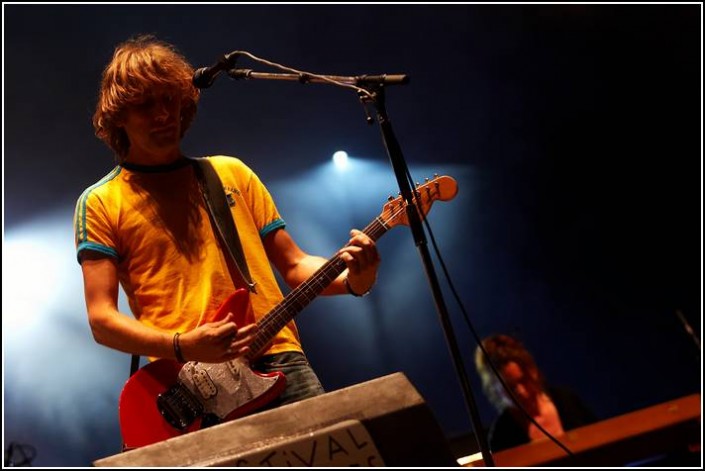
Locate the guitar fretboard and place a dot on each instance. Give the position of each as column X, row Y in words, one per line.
column 302, row 295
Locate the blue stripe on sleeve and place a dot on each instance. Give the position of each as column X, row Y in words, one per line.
column 81, row 233
column 96, row 248
column 276, row 224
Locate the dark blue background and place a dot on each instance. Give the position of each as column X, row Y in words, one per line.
column 574, row 132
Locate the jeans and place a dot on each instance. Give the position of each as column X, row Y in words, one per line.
column 301, row 380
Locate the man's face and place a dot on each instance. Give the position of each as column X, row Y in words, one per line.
column 153, row 126
column 524, row 384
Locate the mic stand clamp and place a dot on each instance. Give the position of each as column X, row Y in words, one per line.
column 366, row 99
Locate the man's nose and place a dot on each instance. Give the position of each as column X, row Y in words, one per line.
column 161, row 110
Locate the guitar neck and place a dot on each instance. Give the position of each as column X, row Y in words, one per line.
column 302, row 295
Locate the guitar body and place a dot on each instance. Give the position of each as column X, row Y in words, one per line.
column 165, row 398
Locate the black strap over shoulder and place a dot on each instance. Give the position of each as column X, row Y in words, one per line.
column 221, row 217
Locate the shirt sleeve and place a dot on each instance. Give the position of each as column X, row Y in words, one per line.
column 92, row 227
column 259, row 201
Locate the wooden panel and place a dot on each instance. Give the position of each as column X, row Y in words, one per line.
column 671, row 426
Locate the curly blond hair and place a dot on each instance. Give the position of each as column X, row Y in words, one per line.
column 139, row 65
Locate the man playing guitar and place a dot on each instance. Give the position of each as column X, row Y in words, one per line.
column 145, row 226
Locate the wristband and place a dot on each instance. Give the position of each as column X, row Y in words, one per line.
column 177, row 349
column 350, row 290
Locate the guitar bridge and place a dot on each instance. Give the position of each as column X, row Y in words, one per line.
column 179, row 407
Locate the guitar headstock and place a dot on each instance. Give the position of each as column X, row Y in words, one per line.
column 441, row 188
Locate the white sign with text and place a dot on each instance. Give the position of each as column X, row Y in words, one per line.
column 344, row 444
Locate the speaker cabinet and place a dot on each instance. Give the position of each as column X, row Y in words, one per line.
column 382, row 422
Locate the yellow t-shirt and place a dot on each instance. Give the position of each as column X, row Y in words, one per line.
column 156, row 225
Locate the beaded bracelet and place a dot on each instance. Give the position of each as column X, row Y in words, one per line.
column 177, row 349
column 350, row 290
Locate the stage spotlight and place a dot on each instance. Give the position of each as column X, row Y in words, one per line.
column 340, row 159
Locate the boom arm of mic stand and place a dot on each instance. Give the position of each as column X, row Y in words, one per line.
column 401, row 171
column 359, row 80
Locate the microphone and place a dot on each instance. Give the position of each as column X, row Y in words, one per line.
column 205, row 76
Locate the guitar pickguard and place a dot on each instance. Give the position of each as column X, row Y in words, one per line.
column 223, row 388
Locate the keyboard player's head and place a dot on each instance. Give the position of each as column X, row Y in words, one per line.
column 528, row 400
column 517, row 367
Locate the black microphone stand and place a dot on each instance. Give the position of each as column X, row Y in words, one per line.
column 401, row 171
column 371, row 89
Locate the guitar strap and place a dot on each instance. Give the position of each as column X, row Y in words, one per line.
column 221, row 217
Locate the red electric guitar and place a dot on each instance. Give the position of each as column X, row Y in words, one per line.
column 165, row 398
